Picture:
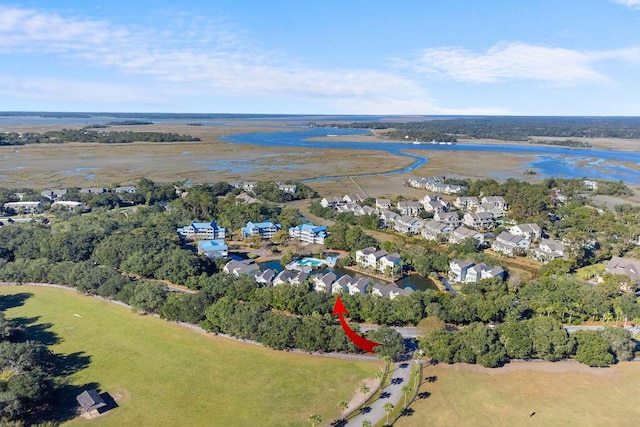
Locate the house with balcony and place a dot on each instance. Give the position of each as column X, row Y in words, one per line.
column 483, row 271
column 495, row 200
column 342, row 284
column 265, row 229
column 383, row 204
column 411, row 208
column 360, row 286
column 23, row 207
column 287, row 188
column 458, row 269
column 533, row 232
column 434, row 230
column 508, row 244
column 390, row 264
column 202, row 230
column 353, row 198
column 314, row 234
column 548, row 250
column 264, row 278
column 461, row 234
column 492, row 208
column 323, row 283
column 466, row 203
column 407, row 224
column 331, row 202
column 290, row 277
column 449, row 218
column 237, row 268
column 478, row 220
column 388, row 218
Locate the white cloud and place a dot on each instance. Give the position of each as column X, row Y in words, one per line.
column 635, row 4
column 199, row 59
column 509, row 62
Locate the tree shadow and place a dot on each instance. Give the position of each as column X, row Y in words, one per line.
column 431, row 379
column 36, row 331
column 385, row 395
column 365, row 410
column 67, row 364
column 424, row 395
column 339, row 423
column 66, row 406
column 396, row 380
column 407, row 412
column 13, row 300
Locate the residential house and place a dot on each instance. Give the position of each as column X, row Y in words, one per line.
column 407, row 224
column 460, row 234
column 331, row 202
column 290, row 277
column 237, row 268
column 126, row 189
column 23, row 207
column 434, row 230
column 365, row 210
column 264, row 229
column 626, row 266
column 509, row 244
column 437, row 206
column 247, row 198
column 314, row 234
column 215, row 248
column 94, row 190
column 590, row 184
column 394, row 291
column 388, row 264
column 458, row 269
column 348, row 207
column 53, row 194
column 478, row 220
column 451, row 188
column 496, row 200
column 202, row 230
column 383, row 204
column 492, row 208
column 323, row 283
column 388, row 218
column 249, row 185
column 483, row 271
column 466, row 203
column 408, row 208
column 68, row 204
column 370, row 257
column 533, row 232
column 548, row 250
column 353, row 198
column 287, row 188
column 264, row 278
column 360, row 286
column 342, row 284
column 91, row 402
column 449, row 218
column 426, row 182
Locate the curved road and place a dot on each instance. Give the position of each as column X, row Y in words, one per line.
column 392, row 393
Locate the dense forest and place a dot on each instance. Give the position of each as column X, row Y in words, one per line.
column 85, row 135
column 506, row 128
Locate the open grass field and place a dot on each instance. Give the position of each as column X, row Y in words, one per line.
column 162, row 374
column 560, row 394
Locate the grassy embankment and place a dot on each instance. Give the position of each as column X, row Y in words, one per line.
column 560, row 394
column 162, row 374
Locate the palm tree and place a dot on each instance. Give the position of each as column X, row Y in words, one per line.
column 343, row 404
column 364, row 389
column 366, row 423
column 406, row 390
column 315, row 419
column 416, row 377
column 388, row 407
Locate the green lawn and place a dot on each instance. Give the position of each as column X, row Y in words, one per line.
column 560, row 394
column 162, row 374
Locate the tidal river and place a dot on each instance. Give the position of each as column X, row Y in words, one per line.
column 552, row 161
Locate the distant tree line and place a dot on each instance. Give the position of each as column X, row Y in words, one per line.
column 507, row 128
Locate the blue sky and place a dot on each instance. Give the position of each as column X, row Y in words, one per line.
column 543, row 57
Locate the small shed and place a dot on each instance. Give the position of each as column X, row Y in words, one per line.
column 90, row 401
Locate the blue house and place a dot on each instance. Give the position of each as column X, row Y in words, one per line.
column 265, row 229
column 213, row 248
column 309, row 233
column 202, row 230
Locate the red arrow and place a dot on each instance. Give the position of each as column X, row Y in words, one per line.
column 361, row 342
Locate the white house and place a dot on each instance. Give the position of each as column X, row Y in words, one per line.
column 67, row 204
column 407, row 224
column 241, row 267
column 494, row 209
column 408, row 208
column 213, row 248
column 342, row 284
column 26, row 207
column 265, row 229
column 314, row 234
column 388, row 217
column 53, row 194
column 533, row 232
column 434, row 230
column 264, row 278
column 458, row 269
column 388, row 263
column 202, row 230
column 481, row 220
column 353, row 198
column 365, row 210
column 436, row 206
column 290, row 277
column 383, row 204
column 507, row 243
column 460, row 234
column 548, row 250
column 466, row 203
column 449, row 218
column 323, row 283
column 287, row 188
column 360, row 286
column 590, row 184
column 626, row 266
column 331, row 202
column 126, row 189
column 496, row 200
column 348, row 207
column 482, row 271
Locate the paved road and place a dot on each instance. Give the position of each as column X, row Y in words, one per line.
column 392, row 393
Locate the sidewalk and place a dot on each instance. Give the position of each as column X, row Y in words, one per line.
column 392, row 393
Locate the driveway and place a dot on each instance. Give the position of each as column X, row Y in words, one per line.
column 392, row 393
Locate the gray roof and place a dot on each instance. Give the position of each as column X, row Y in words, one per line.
column 90, row 400
column 462, row 263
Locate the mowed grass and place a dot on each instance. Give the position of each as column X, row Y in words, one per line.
column 163, row 374
column 560, row 394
